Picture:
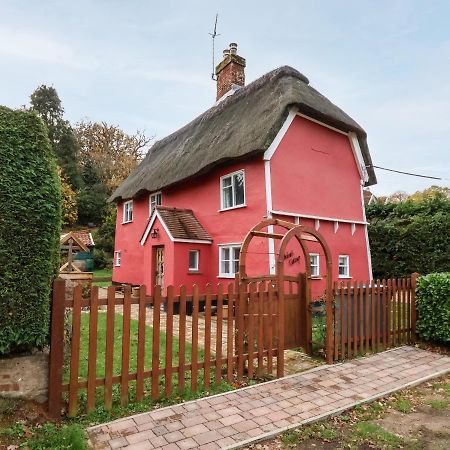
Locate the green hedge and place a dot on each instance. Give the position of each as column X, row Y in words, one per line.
column 433, row 307
column 410, row 237
column 30, row 211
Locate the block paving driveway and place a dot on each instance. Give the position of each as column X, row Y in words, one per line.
column 236, row 418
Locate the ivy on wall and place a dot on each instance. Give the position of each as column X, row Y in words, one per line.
column 30, row 223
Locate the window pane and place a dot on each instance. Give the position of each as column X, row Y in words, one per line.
column 193, row 260
column 236, row 251
column 225, row 267
column 227, row 197
column 226, row 182
column 239, row 188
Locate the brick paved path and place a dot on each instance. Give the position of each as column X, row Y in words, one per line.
column 237, row 418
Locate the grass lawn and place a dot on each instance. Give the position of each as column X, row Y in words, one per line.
column 107, row 272
column 117, row 357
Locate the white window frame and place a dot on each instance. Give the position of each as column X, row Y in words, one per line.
column 231, row 248
column 197, row 261
column 315, row 273
column 228, row 175
column 127, row 212
column 346, row 266
column 150, row 202
column 117, row 258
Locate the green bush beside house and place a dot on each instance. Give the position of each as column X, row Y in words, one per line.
column 433, row 307
column 30, row 223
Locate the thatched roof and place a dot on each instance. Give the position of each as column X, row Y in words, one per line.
column 242, row 125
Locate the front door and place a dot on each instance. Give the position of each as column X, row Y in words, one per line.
column 159, row 266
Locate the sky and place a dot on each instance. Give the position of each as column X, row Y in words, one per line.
column 147, row 65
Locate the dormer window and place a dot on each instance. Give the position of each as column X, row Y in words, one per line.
column 128, row 211
column 154, row 201
column 232, row 188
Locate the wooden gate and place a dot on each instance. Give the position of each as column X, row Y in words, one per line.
column 293, row 293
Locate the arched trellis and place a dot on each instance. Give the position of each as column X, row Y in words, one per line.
column 302, row 234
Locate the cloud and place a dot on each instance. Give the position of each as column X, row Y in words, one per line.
column 38, row 47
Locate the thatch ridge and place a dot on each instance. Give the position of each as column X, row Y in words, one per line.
column 241, row 126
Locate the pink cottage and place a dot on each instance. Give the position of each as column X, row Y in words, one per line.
column 274, row 148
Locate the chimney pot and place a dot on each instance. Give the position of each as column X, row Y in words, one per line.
column 233, row 48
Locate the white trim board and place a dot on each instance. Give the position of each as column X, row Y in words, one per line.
column 310, row 216
column 280, row 135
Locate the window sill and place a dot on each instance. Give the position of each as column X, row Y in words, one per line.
column 116, row 265
column 316, row 278
column 230, row 277
column 194, row 272
column 232, row 207
column 128, row 221
column 344, row 277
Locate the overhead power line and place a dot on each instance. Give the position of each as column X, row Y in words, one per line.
column 406, row 173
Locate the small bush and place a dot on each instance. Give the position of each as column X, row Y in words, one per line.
column 101, row 259
column 433, row 307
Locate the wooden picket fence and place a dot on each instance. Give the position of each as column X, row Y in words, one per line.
column 248, row 313
column 373, row 316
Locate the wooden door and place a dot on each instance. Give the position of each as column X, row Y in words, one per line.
column 159, row 266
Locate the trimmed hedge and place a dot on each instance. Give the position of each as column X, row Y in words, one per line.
column 30, row 223
column 410, row 237
column 433, row 307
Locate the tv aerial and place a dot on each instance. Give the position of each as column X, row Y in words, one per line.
column 213, row 35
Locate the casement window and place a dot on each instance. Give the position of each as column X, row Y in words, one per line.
column 128, row 211
column 154, row 200
column 315, row 264
column 194, row 259
column 228, row 260
column 344, row 266
column 232, row 189
column 117, row 258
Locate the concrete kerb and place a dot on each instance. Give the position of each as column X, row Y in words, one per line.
column 275, row 433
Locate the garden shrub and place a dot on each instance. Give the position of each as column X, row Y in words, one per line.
column 30, row 223
column 433, row 307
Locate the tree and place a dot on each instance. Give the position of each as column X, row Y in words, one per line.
column 47, row 104
column 397, row 197
column 30, row 224
column 431, row 192
column 113, row 152
column 69, row 201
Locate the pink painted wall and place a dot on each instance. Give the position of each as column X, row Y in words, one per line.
column 313, row 172
column 202, row 195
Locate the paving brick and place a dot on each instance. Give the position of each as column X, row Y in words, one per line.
column 187, row 444
column 174, row 436
column 230, row 420
column 206, row 438
column 195, row 430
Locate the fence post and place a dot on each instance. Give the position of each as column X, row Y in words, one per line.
column 414, row 277
column 56, row 359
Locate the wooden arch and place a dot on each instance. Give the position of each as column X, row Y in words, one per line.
column 302, row 234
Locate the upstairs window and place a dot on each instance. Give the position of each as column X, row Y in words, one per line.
column 194, row 257
column 315, row 267
column 128, row 211
column 155, row 200
column 232, row 190
column 344, row 266
column 228, row 260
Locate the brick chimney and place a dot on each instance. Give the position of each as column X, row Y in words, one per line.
column 230, row 72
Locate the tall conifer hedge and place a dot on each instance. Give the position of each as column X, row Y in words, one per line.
column 30, row 202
